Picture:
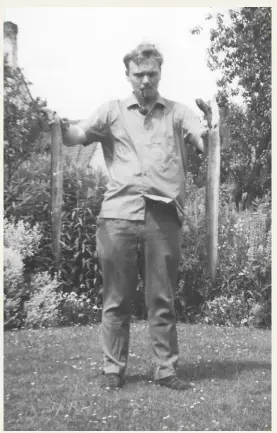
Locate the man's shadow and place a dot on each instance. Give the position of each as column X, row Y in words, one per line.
column 225, row 369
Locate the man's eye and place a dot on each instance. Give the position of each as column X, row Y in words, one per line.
column 149, row 75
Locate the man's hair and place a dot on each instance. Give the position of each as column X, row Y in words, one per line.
column 143, row 51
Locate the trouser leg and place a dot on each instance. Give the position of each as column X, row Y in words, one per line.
column 162, row 258
column 117, row 251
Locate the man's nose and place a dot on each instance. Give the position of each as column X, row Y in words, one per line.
column 145, row 79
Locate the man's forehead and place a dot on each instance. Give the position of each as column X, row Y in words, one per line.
column 144, row 63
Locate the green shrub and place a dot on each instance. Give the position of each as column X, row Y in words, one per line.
column 193, row 282
column 27, row 193
column 21, row 237
column 235, row 311
column 42, row 309
column 245, row 253
column 78, row 309
column 20, row 242
column 83, row 195
column 28, row 197
column 13, row 313
column 13, row 270
column 244, row 268
column 227, row 311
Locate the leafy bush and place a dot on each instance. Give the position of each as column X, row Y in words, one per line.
column 20, row 242
column 245, row 252
column 13, row 312
column 83, row 195
column 27, row 194
column 28, row 197
column 193, row 282
column 42, row 309
column 13, row 270
column 244, row 268
column 235, row 311
column 227, row 311
column 49, row 306
column 78, row 309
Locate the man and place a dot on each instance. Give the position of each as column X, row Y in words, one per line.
column 144, row 140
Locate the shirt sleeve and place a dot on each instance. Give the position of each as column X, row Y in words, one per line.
column 96, row 127
column 191, row 125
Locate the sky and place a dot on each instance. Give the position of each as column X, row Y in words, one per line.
column 73, row 55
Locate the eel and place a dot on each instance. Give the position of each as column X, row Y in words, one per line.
column 211, row 114
column 56, row 188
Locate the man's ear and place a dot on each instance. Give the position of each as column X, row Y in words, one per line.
column 127, row 74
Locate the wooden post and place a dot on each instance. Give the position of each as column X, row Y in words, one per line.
column 56, row 189
column 211, row 113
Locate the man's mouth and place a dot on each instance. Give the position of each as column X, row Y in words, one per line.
column 145, row 91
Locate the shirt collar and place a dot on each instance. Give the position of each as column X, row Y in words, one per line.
column 132, row 101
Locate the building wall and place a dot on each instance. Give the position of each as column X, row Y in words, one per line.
column 10, row 43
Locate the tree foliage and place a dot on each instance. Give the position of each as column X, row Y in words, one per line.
column 240, row 49
column 22, row 123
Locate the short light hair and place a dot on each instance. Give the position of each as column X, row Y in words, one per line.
column 143, row 51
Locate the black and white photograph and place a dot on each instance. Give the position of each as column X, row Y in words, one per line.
column 137, row 218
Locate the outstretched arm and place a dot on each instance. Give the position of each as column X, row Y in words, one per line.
column 72, row 134
column 93, row 129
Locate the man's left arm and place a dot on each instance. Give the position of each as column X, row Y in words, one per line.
column 194, row 131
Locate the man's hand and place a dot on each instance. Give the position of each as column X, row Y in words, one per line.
column 214, row 118
column 72, row 134
column 211, row 112
column 49, row 116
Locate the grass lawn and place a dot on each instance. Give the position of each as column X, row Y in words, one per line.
column 52, row 379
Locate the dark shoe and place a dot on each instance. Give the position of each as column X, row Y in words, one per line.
column 112, row 381
column 173, row 382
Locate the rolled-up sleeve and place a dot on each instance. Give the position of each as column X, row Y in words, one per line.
column 96, row 127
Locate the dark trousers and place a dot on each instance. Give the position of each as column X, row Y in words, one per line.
column 118, row 243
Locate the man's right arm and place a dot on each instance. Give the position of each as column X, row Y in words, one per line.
column 94, row 128
column 72, row 134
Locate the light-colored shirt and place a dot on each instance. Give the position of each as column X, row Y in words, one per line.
column 146, row 156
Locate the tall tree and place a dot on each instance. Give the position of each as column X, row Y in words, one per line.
column 22, row 121
column 240, row 49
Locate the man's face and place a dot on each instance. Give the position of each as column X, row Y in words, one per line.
column 145, row 77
